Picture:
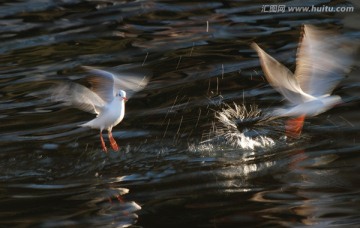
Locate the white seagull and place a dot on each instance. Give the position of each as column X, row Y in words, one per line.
column 106, row 98
column 322, row 60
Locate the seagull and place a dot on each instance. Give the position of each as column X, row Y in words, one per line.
column 106, row 98
column 323, row 58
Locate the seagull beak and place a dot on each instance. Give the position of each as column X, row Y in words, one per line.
column 125, row 99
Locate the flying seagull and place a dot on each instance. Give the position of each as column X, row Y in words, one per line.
column 323, row 58
column 106, row 98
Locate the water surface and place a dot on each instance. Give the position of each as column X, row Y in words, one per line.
column 54, row 174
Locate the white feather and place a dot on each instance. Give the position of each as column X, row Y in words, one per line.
column 76, row 95
column 106, row 83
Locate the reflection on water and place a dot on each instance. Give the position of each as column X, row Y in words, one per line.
column 51, row 205
column 185, row 157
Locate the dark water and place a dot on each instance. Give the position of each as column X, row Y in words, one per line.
column 54, row 174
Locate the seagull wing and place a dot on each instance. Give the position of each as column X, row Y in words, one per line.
column 79, row 96
column 102, row 83
column 322, row 59
column 129, row 82
column 281, row 78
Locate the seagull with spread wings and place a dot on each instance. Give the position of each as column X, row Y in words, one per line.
column 106, row 98
column 323, row 58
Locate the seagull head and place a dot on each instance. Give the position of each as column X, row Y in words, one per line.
column 122, row 95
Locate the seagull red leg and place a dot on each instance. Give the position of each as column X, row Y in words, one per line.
column 113, row 143
column 294, row 126
column 103, row 143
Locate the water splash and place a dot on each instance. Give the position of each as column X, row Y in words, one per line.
column 246, row 127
